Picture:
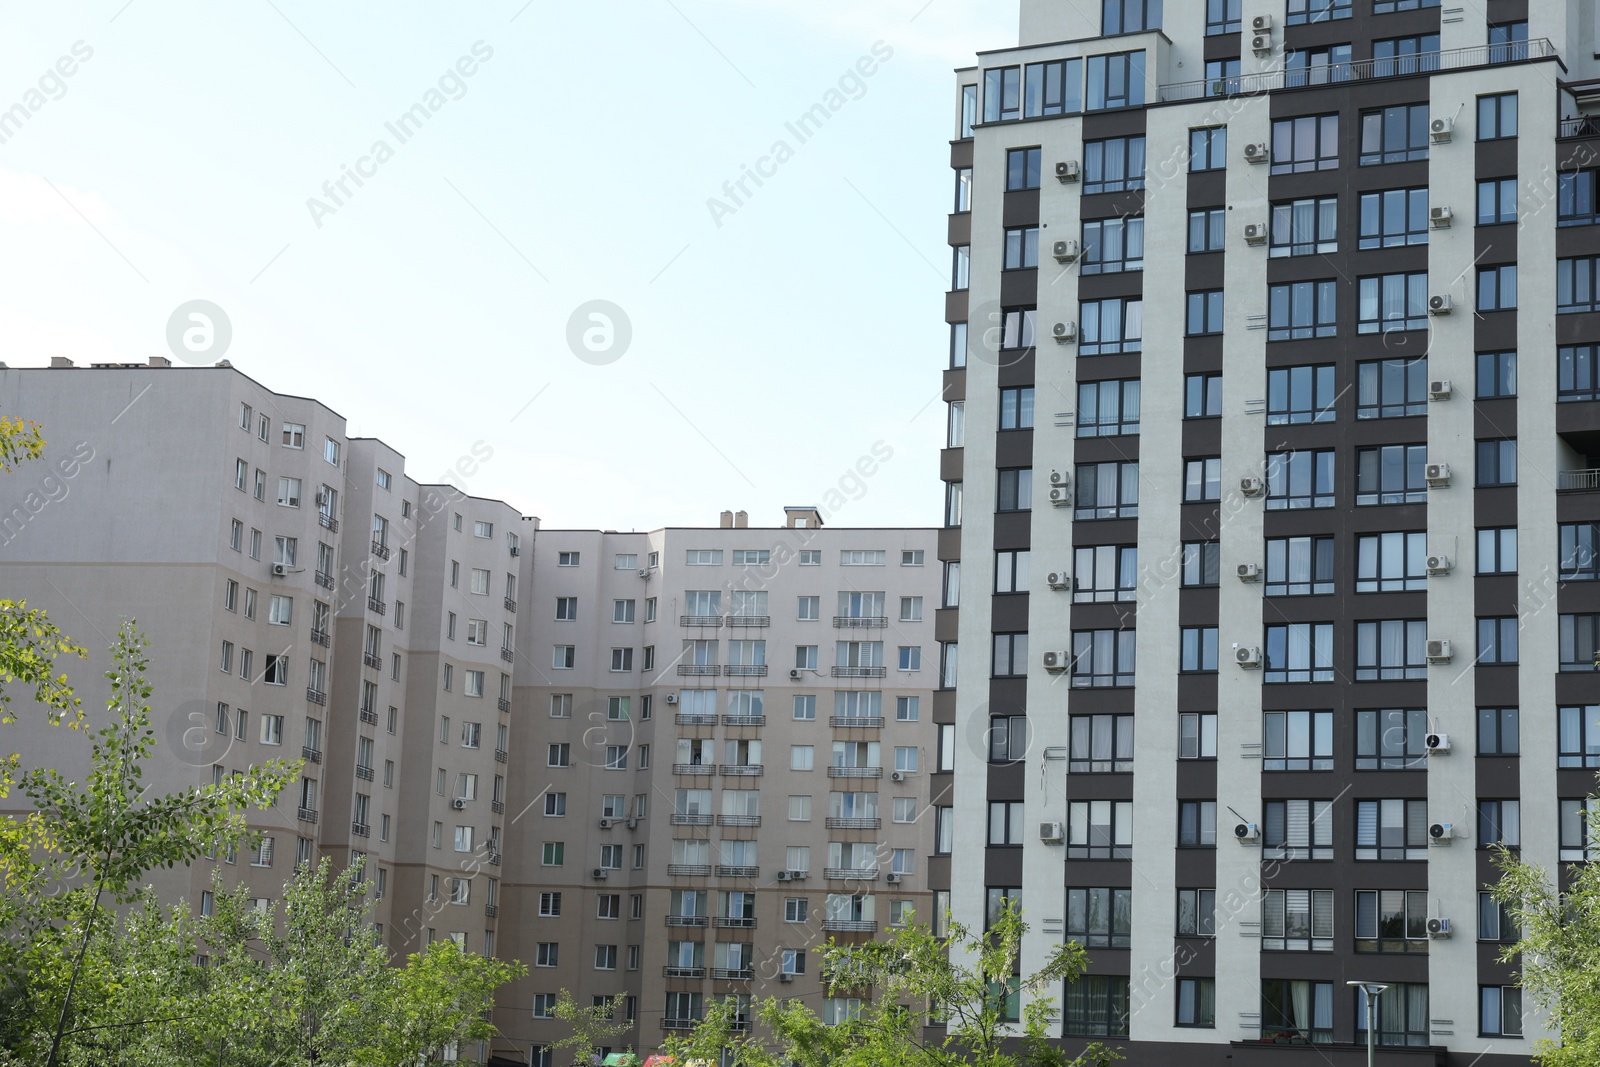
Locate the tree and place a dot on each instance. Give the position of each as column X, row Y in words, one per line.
column 1559, row 950
column 969, row 979
column 593, row 1027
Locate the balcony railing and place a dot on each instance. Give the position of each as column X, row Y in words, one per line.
column 733, row 974
column 726, row 871
column 681, row 972
column 855, row 772
column 328, row 522
column 375, row 662
column 316, row 696
column 710, row 621
column 1582, row 126
column 507, row 654
column 859, row 672
column 494, row 859
column 738, row 820
column 687, row 920
column 743, row 720
column 376, row 605
column 324, row 579
column 849, row 822
column 491, row 910
column 860, row 622
column 859, row 722
column 361, row 829
column 850, row 926
column 497, row 806
column 306, row 814
column 500, row 755
column 689, row 870
column 1578, row 481
column 745, row 670
column 369, row 716
column 695, row 718
column 505, row 705
column 321, row 637
column 851, row 874
column 700, row 670
column 364, row 773
column 680, row 1024
column 736, row 621
column 741, row 770
column 677, row 819
column 312, row 754
column 694, row 768
column 380, row 550
column 736, row 922
column 1359, row 70
column 511, row 605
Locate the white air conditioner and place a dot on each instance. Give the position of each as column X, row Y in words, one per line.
column 672, row 698
column 783, row 876
column 785, row 976
column 1056, row 662
column 1442, row 129
column 1255, row 233
column 1051, row 833
column 1249, row 572
column 1067, row 170
column 1439, row 564
column 1261, row 24
column 1257, row 153
column 898, row 776
column 279, row 570
column 459, row 803
column 1441, row 833
column 600, row 873
column 1246, row 833
column 893, row 878
column 1436, row 743
column 606, row 824
column 1440, row 389
column 1261, row 43
column 321, row 498
column 1438, row 650
column 1436, row 474
column 1060, row 496
column 1248, row 656
column 1064, row 332
column 633, row 824
column 1058, row 580
column 1439, row 217
column 794, row 673
column 1438, row 928
column 1440, row 304
column 1251, row 485
column 1065, row 251
column 1059, row 478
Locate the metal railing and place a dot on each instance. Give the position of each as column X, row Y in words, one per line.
column 491, row 910
column 860, row 622
column 500, row 755
column 741, row 770
column 375, row 662
column 703, row 670
column 682, row 1024
column 361, row 829
column 738, row 820
column 507, row 654
column 321, row 637
column 687, row 920
column 848, row 822
column 328, row 522
column 689, row 870
column 737, row 621
column 710, row 621
column 494, row 859
column 511, row 605
column 369, row 716
column 694, row 768
column 745, row 670
column 364, row 773
column 735, row 922
column 860, row 722
column 505, row 705
column 733, row 974
column 851, row 874
column 681, row 972
column 850, row 926
column 312, row 754
column 497, row 806
column 859, row 672
column 678, row 819
column 743, row 720
column 306, row 814
column 695, row 718
column 725, row 871
column 1578, row 480
column 316, row 696
column 324, row 579
column 374, row 604
column 855, row 772
column 380, row 550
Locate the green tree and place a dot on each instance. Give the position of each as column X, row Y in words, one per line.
column 20, row 441
column 593, row 1028
column 970, row 979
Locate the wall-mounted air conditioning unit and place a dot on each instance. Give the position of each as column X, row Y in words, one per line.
column 1438, row 650
column 1056, row 662
column 1437, row 744
column 1051, row 833
column 1436, row 474
column 1064, row 332
column 1257, row 153
column 1067, row 170
column 1440, row 389
column 1442, row 129
column 1439, row 563
column 1065, row 251
column 1439, row 217
column 1247, row 833
column 1251, row 485
column 1440, row 304
column 1247, row 656
column 1058, row 580
column 1249, row 572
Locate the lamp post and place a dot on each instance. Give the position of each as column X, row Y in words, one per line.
column 1373, row 990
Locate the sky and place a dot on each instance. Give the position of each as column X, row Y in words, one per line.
column 553, row 256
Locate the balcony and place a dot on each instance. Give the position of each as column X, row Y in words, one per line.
column 369, row 716
column 743, row 720
column 737, row 621
column 681, row 1024
column 1581, row 481
column 491, row 910
column 724, row 871
column 360, row 829
column 500, row 755
column 507, row 654
column 700, row 670
column 688, row 870
column 848, row 822
column 741, row 770
column 324, row 579
column 856, row 722
column 364, row 773
column 494, row 858
column 694, row 768
column 321, row 637
column 306, row 814
column 738, row 820
column 735, row 922
column 851, row 874
column 745, row 670
column 511, row 605
column 497, row 806
column 859, row 672
column 850, row 926
column 375, row 662
column 690, row 820
column 312, row 754
column 327, row 522
column 687, row 920
column 681, row 972
column 377, row 606
column 505, row 705
column 713, row 622
column 380, row 550
column 733, row 974
column 316, row 696
column 860, row 622
column 855, row 772
column 695, row 718
column 1360, row 70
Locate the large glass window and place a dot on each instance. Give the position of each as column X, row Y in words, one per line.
column 1109, row 408
column 1577, row 202
column 1100, row 918
column 1391, row 474
column 1299, row 566
column 1497, row 640
column 1293, row 1010
column 1117, row 80
column 1208, row 145
column 1099, row 830
column 1053, row 88
column 1391, row 649
column 1497, row 287
column 1297, row 741
column 1391, row 920
column 1499, row 823
column 1580, row 829
column 1395, row 134
column 1577, row 373
column 1579, row 559
column 1297, row 310
column 1498, row 732
column 1301, row 12
column 1096, row 1006
column 1578, row 736
column 1297, row 830
column 1497, row 116
column 1392, row 388
column 1405, row 55
column 1202, row 561
column 1391, row 302
column 1111, row 325
column 1402, row 1015
column 1102, row 658
column 1317, row 66
column 1022, row 249
column 1208, row 229
column 1497, row 462
column 1022, row 169
column 1223, row 16
column 1110, row 246
column 1101, row 744
column 1105, row 574
column 1297, row 920
column 1391, row 562
column 1394, row 829
column 1106, row 490
column 1204, row 316
column 1497, row 201
column 1129, row 16
column 1302, row 479
column 1299, row 652
column 1113, row 165
column 1391, row 739
column 1578, row 642
column 1394, row 218
column 1304, row 144
column 1575, row 285
column 1300, row 394
column 1305, row 227
column 1016, row 408
column 1002, row 94
column 1202, row 396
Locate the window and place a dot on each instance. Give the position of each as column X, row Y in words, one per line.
column 1305, row 144
column 1102, row 658
column 1208, row 229
column 1022, row 167
column 1317, row 66
column 236, row 535
column 566, row 559
column 1014, row 490
column 1391, row 830
column 1580, row 829
column 1302, row 309
column 1405, row 55
column 1096, row 1006
column 1391, row 739
column 1010, row 655
column 1110, row 246
column 561, row 705
column 805, row 708
column 1301, row 479
column 1197, row 913
column 559, row 755
column 1197, row 824
column 1391, row 474
column 1111, row 325
column 1105, row 573
column 1299, row 652
column 1197, row 735
column 1201, row 563
column 294, row 435
column 1576, row 203
column 554, row 853
column 1402, row 1015
column 961, row 270
column 1021, row 251
column 1008, row 738
column 1578, row 641
column 1297, row 920
column 1575, row 285
column 555, row 805
column 1497, row 732
column 1497, row 462
column 1117, row 80
column 1294, row 1010
column 1391, row 649
column 1394, row 218
column 1202, row 396
column 1579, row 736
column 622, row 659
column 1302, row 12
column 1497, row 640
column 1298, row 830
column 1389, row 7
column 1508, row 41
column 1497, row 286
column 1197, row 1002
column 1204, row 316
column 1303, row 227
column 1016, row 408
column 1100, row 918
column 1395, row 134
column 1497, row 201
column 1011, row 571
column 1100, row 744
column 1393, row 302
column 1106, row 491
column 1297, row 741
column 563, row 657
column 1495, row 921
column 277, row 671
column 1299, row 566
column 1099, row 829
column 1114, row 165
column 1392, row 388
column 1007, row 823
column 1129, row 16
column 1199, row 649
column 1499, row 1011
column 1300, row 395
column 1578, row 541
column 288, row 492
column 1391, row 562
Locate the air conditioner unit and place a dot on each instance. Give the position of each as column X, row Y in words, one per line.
column 1261, row 43
column 1436, row 474
column 783, row 876
column 672, row 698
column 1246, row 833
column 1438, row 650
column 321, row 498
column 600, row 873
column 898, row 776
column 1440, row 389
column 1439, row 564
column 1065, row 251
column 279, row 570
column 1060, row 496
column 1437, row 743
column 633, row 824
column 1442, row 129
column 1056, row 662
column 1440, row 304
column 1257, row 153
column 1058, row 580
column 795, row 673
column 1441, row 833
column 1255, row 233
column 1064, row 332
column 785, row 976
column 1067, row 170
column 1249, row 572
column 1059, row 478
column 1251, row 485
column 1248, row 656
column 1439, row 217
column 459, row 803
column 892, row 878
column 1261, row 24
column 1438, row 928
column 515, row 551
column 1051, row 833
column 606, row 824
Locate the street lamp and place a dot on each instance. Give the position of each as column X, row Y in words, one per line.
column 1373, row 990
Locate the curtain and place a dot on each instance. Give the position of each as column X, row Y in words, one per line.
column 1300, row 1004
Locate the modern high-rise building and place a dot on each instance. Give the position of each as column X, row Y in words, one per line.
column 1245, row 672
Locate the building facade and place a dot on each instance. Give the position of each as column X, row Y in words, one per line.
column 1362, row 214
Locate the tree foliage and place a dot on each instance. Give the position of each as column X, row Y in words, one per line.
column 593, row 1027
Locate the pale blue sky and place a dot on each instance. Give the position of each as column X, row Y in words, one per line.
column 768, row 353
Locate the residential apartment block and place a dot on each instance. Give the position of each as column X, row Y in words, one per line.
column 1314, row 618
